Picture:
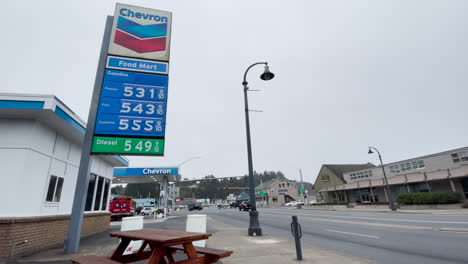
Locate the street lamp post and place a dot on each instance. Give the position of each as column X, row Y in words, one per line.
column 391, row 205
column 254, row 226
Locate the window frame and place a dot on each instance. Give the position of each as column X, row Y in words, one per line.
column 55, row 196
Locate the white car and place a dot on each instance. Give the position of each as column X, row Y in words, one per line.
column 147, row 210
column 313, row 202
column 292, row 203
column 299, row 202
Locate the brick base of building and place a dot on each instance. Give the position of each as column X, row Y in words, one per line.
column 43, row 232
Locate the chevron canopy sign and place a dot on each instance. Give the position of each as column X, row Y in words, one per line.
column 141, row 33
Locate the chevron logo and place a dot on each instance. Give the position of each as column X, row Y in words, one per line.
column 140, row 38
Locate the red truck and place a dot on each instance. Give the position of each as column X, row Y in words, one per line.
column 121, row 207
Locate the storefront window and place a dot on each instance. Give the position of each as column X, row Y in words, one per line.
column 90, row 194
column 97, row 201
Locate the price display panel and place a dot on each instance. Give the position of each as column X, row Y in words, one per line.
column 131, row 117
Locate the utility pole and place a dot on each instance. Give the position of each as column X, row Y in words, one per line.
column 302, row 188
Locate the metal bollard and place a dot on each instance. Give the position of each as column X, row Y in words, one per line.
column 296, row 231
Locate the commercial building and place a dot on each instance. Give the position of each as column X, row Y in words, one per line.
column 276, row 192
column 364, row 183
column 40, row 150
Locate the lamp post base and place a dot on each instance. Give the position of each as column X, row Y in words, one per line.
column 254, row 227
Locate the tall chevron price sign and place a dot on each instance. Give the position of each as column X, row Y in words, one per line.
column 131, row 117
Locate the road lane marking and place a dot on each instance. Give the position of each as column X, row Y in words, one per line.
column 349, row 233
column 384, row 219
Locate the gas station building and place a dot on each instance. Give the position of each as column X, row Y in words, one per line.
column 40, row 149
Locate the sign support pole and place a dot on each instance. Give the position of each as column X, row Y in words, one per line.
column 72, row 242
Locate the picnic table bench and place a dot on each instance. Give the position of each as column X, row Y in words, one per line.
column 162, row 245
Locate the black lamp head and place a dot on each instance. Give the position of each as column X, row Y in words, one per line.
column 267, row 75
column 370, row 151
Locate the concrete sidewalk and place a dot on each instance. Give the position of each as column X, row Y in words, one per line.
column 258, row 250
column 272, row 250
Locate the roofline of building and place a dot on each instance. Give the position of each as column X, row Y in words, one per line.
column 50, row 103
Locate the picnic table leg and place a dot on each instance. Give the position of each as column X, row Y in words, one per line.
column 190, row 251
column 157, row 256
column 118, row 253
column 169, row 256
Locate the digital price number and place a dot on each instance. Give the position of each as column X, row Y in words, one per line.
column 110, row 105
column 134, row 91
column 128, row 145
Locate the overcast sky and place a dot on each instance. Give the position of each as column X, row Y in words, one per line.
column 349, row 74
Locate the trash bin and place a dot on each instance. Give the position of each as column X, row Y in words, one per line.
column 197, row 223
column 299, row 206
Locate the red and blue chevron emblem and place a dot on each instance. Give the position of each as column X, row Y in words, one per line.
column 140, row 38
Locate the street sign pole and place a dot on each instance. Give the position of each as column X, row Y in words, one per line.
column 72, row 242
column 302, row 188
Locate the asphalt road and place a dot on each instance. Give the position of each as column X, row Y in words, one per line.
column 381, row 237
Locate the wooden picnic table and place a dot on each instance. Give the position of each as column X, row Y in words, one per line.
column 163, row 243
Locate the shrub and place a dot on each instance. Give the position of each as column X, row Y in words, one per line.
column 160, row 211
column 429, row 198
column 404, row 199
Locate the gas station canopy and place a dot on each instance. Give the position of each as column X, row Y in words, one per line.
column 144, row 175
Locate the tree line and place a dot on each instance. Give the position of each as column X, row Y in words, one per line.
column 209, row 187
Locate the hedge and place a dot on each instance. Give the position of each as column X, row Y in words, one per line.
column 429, row 198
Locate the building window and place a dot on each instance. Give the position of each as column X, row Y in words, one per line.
column 401, row 189
column 275, row 199
column 459, row 157
column 54, row 192
column 98, row 191
column 407, row 166
column 361, row 174
column 97, row 199
column 105, row 201
column 325, row 178
column 90, row 194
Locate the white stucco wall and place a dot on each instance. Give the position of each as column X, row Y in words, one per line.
column 30, row 153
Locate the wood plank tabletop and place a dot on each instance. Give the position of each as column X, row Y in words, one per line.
column 161, row 235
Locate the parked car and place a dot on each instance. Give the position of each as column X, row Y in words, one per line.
column 313, row 202
column 299, row 202
column 291, row 203
column 195, row 207
column 245, row 206
column 147, row 210
column 234, row 205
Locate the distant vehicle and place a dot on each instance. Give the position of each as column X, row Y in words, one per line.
column 220, row 206
column 245, row 206
column 195, row 207
column 292, row 203
column 148, row 210
column 313, row 202
column 121, row 207
column 299, row 202
column 234, row 204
